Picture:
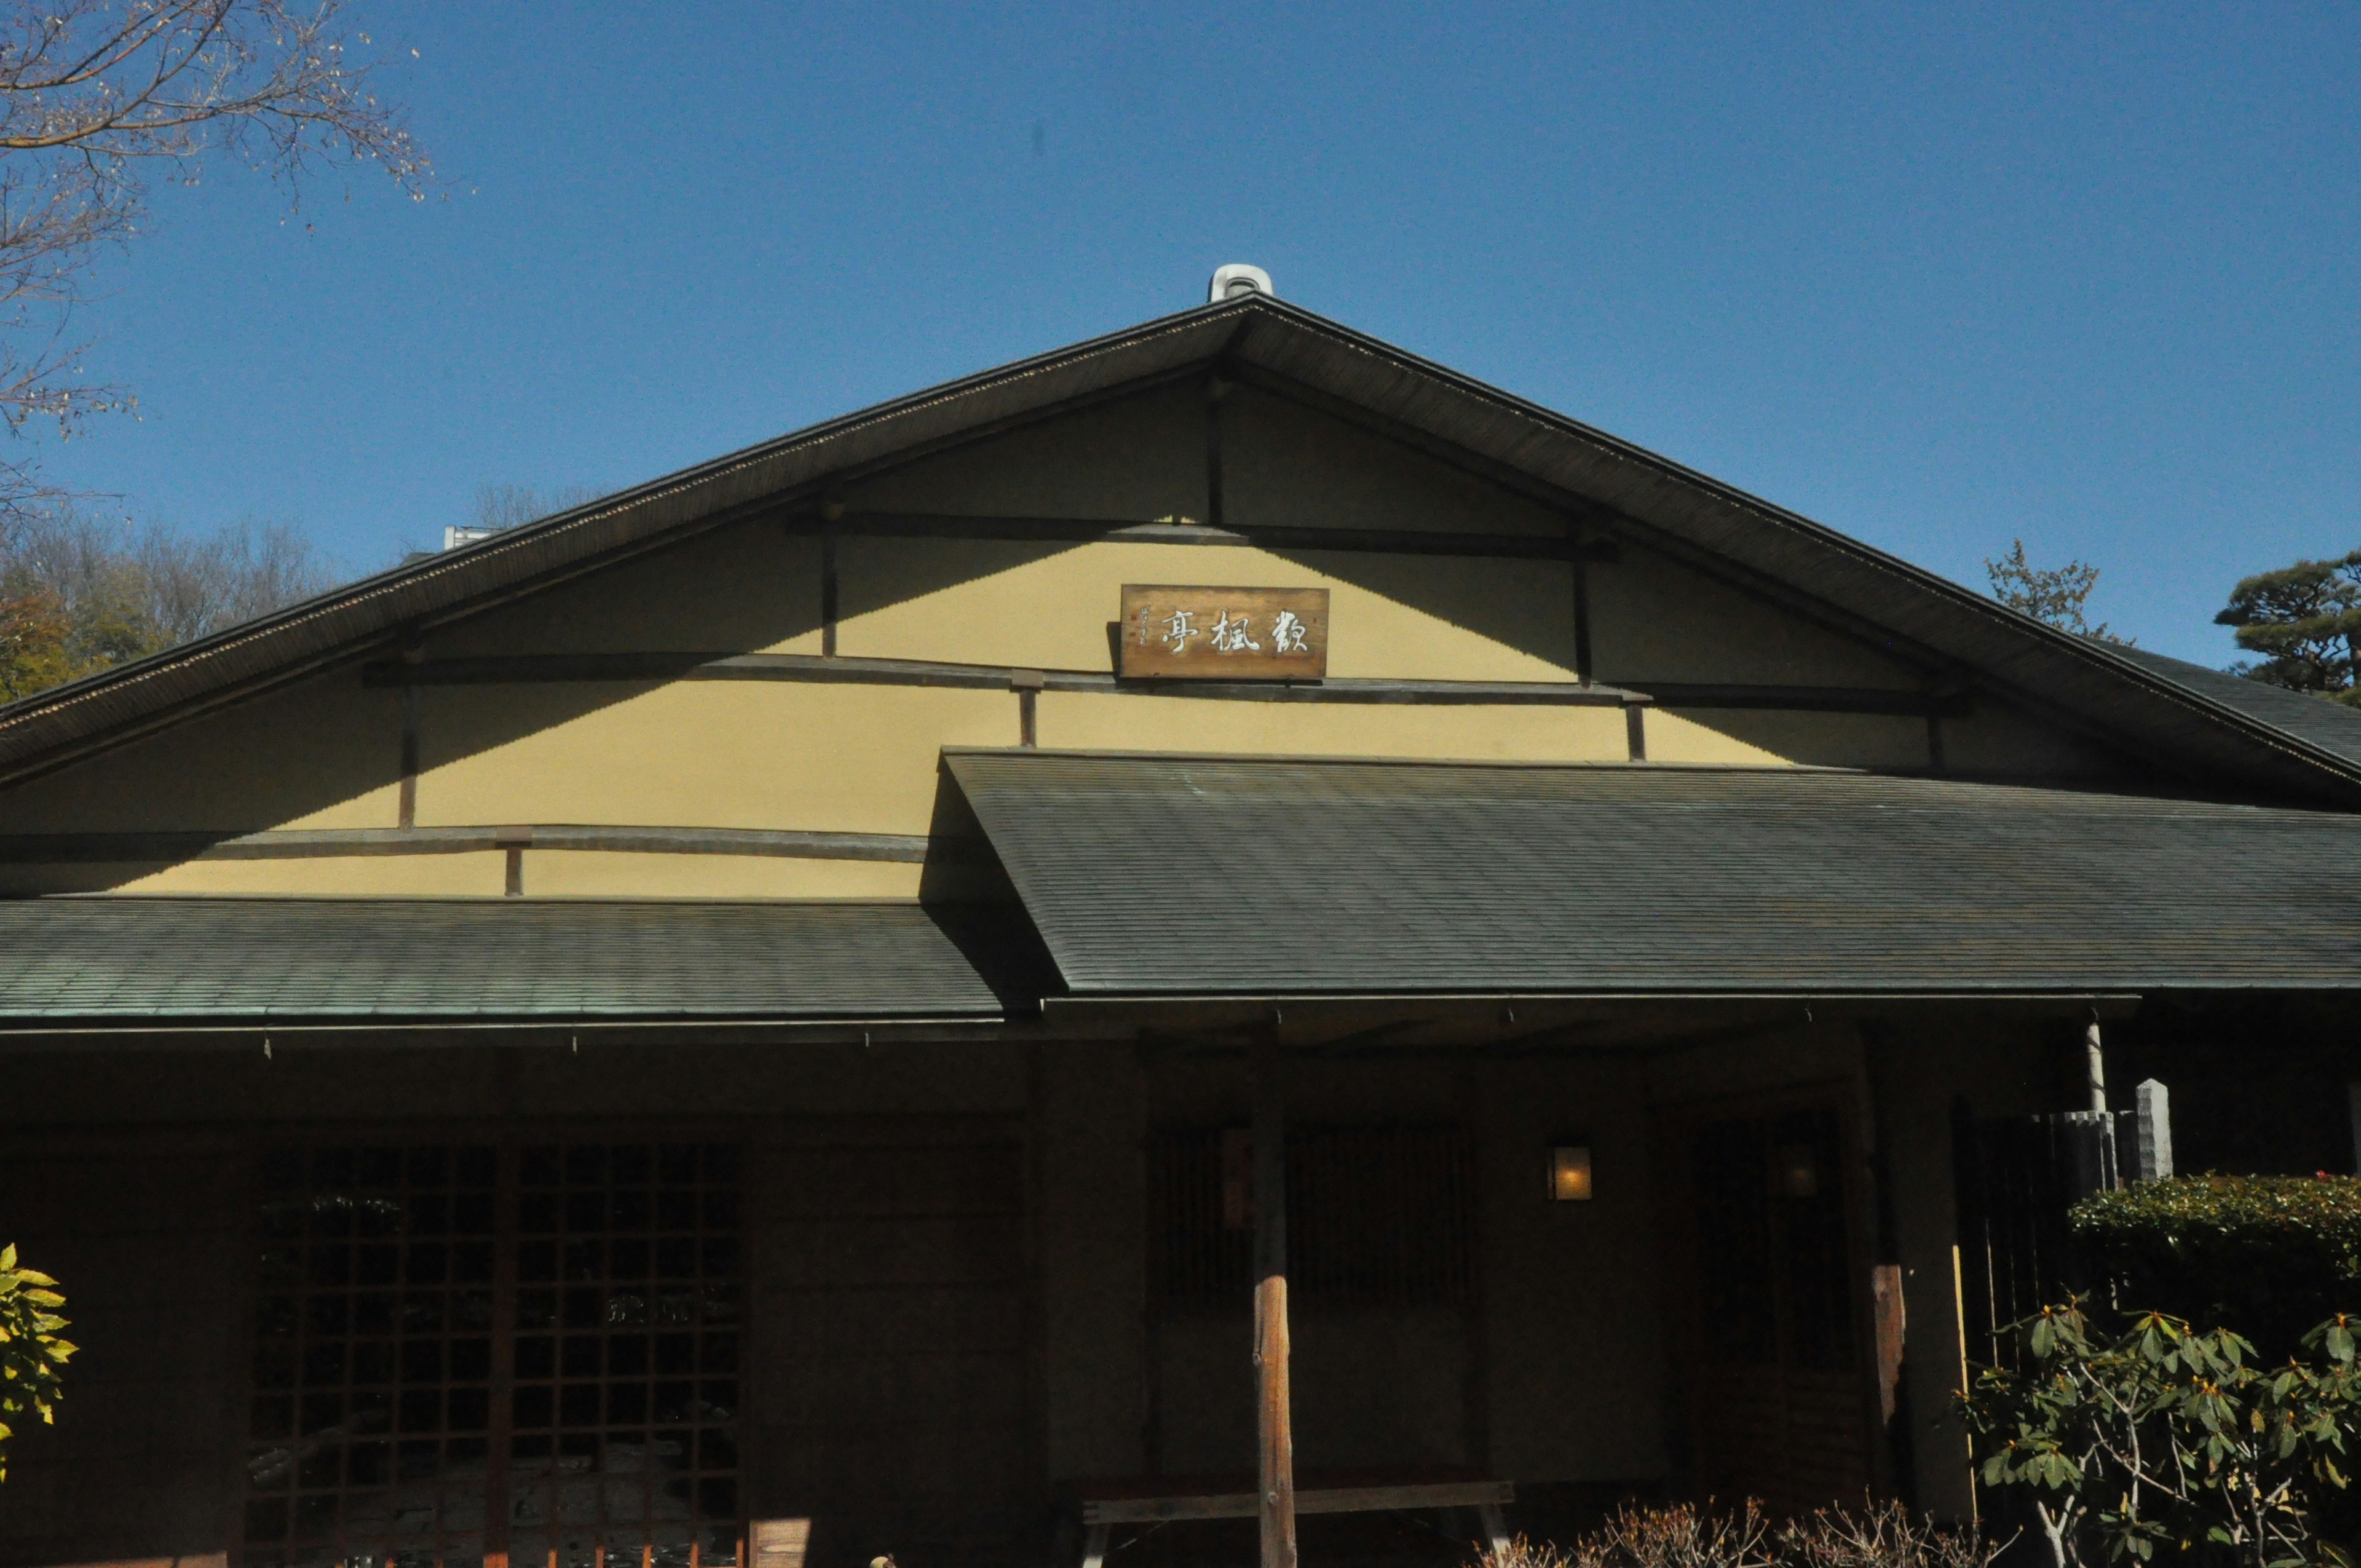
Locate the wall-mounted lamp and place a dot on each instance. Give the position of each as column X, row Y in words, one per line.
column 1569, row 1173
column 1799, row 1171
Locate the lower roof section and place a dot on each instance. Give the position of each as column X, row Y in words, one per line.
column 1211, row 878
column 1203, row 877
column 127, row 959
column 2331, row 725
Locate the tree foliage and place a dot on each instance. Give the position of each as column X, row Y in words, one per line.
column 2305, row 620
column 2267, row 1256
column 2156, row 1438
column 79, row 593
column 95, row 95
column 2055, row 596
column 31, row 1348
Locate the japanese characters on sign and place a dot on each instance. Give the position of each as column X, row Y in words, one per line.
column 1223, row 634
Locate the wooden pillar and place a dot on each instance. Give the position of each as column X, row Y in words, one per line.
column 2094, row 1064
column 1275, row 1427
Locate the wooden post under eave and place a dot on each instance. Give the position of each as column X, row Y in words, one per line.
column 2094, row 1064
column 1275, row 1427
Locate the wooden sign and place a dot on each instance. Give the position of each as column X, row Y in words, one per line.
column 1223, row 634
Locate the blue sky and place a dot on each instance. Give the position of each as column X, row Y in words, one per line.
column 1937, row 276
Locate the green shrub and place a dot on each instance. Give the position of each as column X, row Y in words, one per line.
column 2267, row 1256
column 2139, row 1433
column 31, row 1350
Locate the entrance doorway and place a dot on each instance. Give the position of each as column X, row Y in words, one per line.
column 1772, row 1323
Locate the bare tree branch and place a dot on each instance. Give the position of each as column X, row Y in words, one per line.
column 94, row 95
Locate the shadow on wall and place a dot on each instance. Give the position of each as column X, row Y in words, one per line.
column 327, row 751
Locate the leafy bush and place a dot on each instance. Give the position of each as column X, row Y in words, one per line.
column 1682, row 1535
column 2154, row 1435
column 30, row 1350
column 2267, row 1256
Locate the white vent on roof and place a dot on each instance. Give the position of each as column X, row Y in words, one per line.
column 1236, row 279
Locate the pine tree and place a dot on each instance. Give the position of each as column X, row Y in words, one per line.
column 2055, row 597
column 2305, row 620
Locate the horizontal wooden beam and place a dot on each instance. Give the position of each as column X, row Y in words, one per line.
column 322, row 843
column 528, row 669
column 559, row 668
column 1315, row 1500
column 1132, row 531
column 1479, row 694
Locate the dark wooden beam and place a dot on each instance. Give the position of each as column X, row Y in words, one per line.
column 318, row 843
column 828, row 595
column 1216, row 388
column 1136, row 531
column 561, row 668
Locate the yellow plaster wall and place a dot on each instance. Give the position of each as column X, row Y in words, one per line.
column 1998, row 740
column 1286, row 466
column 1137, row 458
column 698, row 753
column 1772, row 739
column 577, row 873
column 1652, row 619
column 17, row 881
column 323, row 753
column 473, row 874
column 1390, row 616
column 1091, row 722
column 749, row 588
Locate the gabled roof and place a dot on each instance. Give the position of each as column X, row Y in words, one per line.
column 1605, row 484
column 1230, row 877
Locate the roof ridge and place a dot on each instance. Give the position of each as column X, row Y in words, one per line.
column 1621, row 487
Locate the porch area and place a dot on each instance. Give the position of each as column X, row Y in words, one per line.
column 585, row 1300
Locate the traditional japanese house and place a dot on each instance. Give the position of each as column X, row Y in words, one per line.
column 801, row 1010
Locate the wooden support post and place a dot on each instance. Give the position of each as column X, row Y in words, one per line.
column 413, row 653
column 1216, row 390
column 2094, row 1065
column 1275, row 1425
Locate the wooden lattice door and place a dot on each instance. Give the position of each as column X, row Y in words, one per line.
column 1772, row 1331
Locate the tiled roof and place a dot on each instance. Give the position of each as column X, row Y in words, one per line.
column 1168, row 876
column 205, row 959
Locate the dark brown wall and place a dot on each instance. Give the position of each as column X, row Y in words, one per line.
column 924, row 1358
column 886, row 1187
column 890, row 1395
column 150, row 1245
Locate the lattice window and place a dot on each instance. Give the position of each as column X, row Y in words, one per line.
column 372, row 1418
column 442, row 1326
column 626, row 1408
column 1376, row 1216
